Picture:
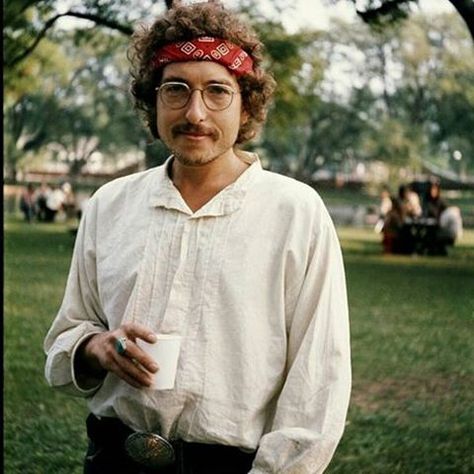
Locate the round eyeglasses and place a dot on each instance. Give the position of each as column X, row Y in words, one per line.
column 176, row 95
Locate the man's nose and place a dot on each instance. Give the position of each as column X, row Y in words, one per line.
column 196, row 109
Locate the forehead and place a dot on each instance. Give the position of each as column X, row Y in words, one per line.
column 198, row 72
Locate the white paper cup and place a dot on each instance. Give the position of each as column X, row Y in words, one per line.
column 165, row 352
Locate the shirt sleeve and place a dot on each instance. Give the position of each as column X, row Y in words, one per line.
column 311, row 409
column 79, row 316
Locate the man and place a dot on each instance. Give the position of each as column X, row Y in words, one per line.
column 27, row 203
column 54, row 203
column 244, row 264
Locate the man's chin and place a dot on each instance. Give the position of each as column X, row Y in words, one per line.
column 194, row 159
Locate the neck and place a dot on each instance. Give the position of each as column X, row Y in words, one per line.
column 199, row 184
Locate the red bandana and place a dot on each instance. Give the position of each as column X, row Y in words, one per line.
column 205, row 48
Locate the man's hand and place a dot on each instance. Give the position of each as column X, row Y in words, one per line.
column 98, row 354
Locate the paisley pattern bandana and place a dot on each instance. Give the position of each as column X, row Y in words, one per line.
column 205, row 48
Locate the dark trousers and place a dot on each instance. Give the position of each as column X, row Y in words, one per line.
column 106, row 454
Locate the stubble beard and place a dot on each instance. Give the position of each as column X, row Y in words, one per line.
column 194, row 159
column 193, row 156
column 201, row 157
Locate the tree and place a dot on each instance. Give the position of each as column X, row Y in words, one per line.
column 379, row 13
column 297, row 69
column 435, row 92
column 94, row 114
column 406, row 87
column 27, row 102
column 28, row 22
column 88, row 112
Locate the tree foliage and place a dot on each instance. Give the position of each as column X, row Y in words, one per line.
column 403, row 94
column 381, row 13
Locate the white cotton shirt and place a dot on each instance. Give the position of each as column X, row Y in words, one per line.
column 253, row 282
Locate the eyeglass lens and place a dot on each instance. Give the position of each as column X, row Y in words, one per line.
column 176, row 95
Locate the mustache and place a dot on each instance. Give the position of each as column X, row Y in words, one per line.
column 190, row 128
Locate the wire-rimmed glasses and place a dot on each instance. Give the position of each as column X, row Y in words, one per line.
column 176, row 95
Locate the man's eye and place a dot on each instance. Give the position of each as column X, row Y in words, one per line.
column 216, row 90
column 176, row 88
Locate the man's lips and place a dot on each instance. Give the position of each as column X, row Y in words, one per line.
column 195, row 135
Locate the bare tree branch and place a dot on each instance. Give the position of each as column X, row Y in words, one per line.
column 98, row 20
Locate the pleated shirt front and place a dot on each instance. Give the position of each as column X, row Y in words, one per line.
column 253, row 282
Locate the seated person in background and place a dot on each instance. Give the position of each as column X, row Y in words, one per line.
column 384, row 208
column 392, row 240
column 448, row 218
column 385, row 202
column 450, row 225
column 434, row 205
column 409, row 201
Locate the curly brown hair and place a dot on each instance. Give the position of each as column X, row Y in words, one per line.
column 185, row 23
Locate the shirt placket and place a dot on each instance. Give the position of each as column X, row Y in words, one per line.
column 177, row 315
column 181, row 285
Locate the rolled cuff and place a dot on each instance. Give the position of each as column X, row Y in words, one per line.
column 59, row 368
column 93, row 382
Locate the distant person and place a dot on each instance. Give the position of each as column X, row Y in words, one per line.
column 384, row 208
column 447, row 217
column 410, row 202
column 244, row 264
column 27, row 203
column 69, row 201
column 41, row 196
column 392, row 230
column 434, row 204
column 54, row 203
column 385, row 202
column 451, row 225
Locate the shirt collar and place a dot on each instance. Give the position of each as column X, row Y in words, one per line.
column 164, row 193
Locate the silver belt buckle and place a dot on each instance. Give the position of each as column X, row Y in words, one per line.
column 149, row 450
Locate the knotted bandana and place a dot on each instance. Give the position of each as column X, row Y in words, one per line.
column 205, row 48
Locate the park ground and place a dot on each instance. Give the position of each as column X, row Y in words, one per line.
column 413, row 372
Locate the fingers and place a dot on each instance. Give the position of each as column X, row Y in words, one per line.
column 134, row 365
column 139, row 358
column 132, row 332
column 130, row 371
column 135, row 330
column 126, row 359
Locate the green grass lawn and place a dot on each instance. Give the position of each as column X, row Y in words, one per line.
column 411, row 320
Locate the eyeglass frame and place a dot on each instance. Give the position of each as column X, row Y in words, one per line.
column 191, row 90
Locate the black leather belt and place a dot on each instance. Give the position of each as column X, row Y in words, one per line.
column 156, row 454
